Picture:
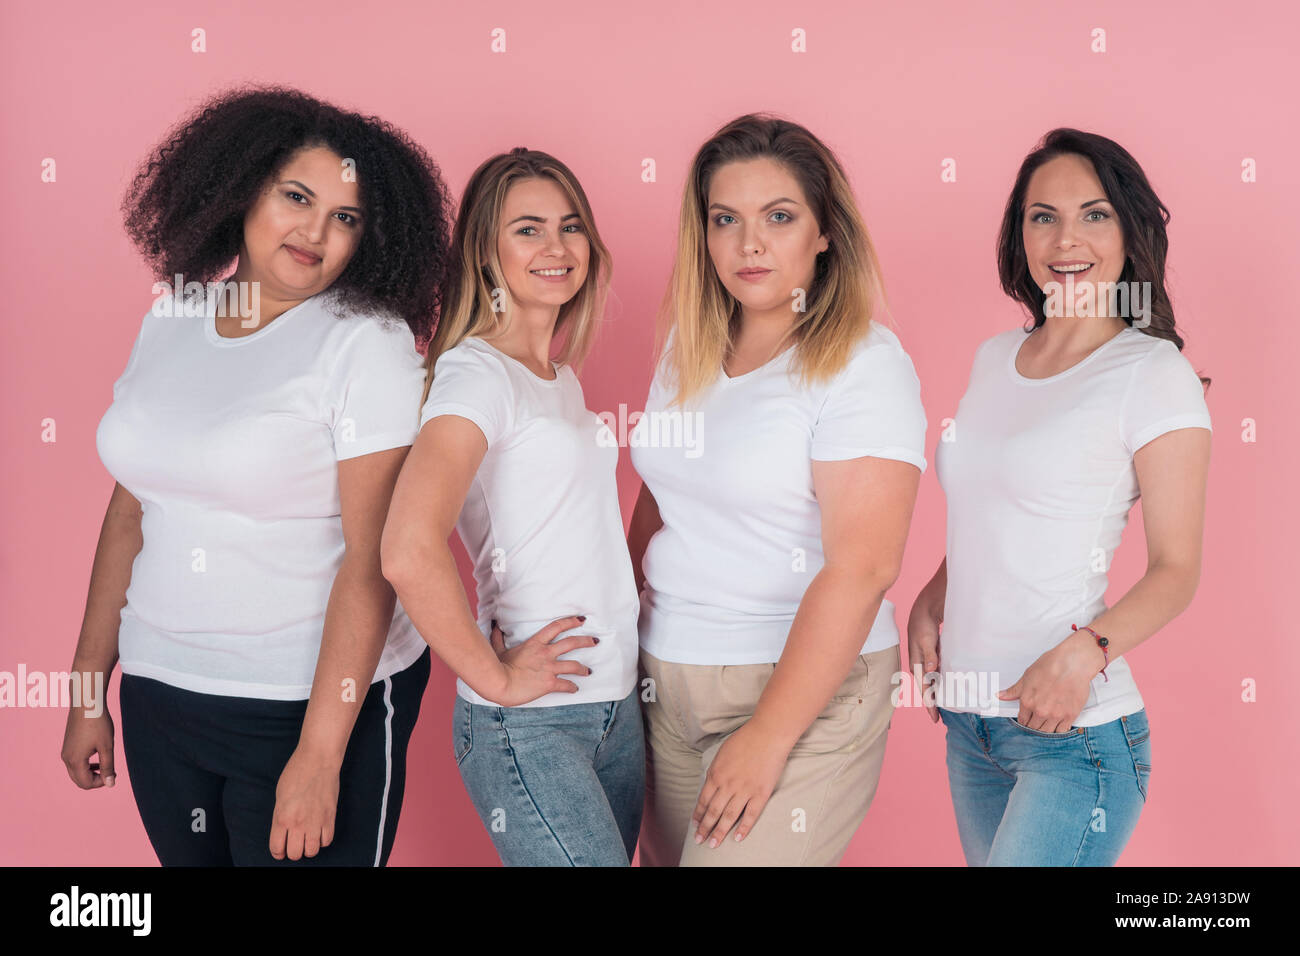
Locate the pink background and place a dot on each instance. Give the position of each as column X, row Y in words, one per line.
column 1189, row 88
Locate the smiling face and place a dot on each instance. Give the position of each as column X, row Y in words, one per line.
column 1070, row 228
column 542, row 245
column 762, row 237
column 303, row 230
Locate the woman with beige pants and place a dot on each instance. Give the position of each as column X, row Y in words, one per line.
column 780, row 451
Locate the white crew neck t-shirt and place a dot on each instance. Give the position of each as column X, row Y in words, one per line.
column 541, row 521
column 732, row 476
column 232, row 447
column 1039, row 479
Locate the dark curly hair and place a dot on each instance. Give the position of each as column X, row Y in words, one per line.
column 1142, row 218
column 185, row 206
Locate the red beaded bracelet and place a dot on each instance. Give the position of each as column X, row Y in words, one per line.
column 1102, row 642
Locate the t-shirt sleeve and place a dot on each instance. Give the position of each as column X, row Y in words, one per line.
column 659, row 394
column 133, row 359
column 1164, row 394
column 471, row 385
column 373, row 393
column 873, row 409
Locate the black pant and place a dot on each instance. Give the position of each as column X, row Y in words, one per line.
column 204, row 768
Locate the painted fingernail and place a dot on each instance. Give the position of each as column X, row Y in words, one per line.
column 595, row 640
column 713, row 844
column 590, row 672
column 582, row 617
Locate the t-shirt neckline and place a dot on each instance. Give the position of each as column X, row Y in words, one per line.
column 1025, row 380
column 213, row 336
column 531, row 374
column 770, row 363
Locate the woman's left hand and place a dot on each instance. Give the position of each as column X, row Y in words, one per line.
column 1054, row 689
column 306, row 799
column 739, row 783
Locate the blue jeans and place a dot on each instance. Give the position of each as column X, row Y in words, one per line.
column 1028, row 798
column 555, row 786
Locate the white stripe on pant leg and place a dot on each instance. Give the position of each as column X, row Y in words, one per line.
column 388, row 764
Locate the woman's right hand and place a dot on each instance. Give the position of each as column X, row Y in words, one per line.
column 83, row 737
column 533, row 667
column 923, row 644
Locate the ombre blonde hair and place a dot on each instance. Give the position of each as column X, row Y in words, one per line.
column 474, row 275
column 698, row 313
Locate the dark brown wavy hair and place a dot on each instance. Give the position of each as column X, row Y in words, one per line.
column 186, row 204
column 1142, row 219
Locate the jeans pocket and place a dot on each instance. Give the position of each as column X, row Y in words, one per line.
column 1136, row 728
column 1138, row 734
column 462, row 730
column 1072, row 732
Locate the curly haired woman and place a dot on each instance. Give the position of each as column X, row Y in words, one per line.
column 270, row 680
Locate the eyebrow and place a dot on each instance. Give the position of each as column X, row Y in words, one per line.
column 530, row 218
column 774, row 202
column 1090, row 202
column 305, row 188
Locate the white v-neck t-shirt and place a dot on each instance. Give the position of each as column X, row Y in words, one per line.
column 232, row 447
column 731, row 473
column 1039, row 478
column 541, row 521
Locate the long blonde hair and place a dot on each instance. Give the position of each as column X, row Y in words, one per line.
column 702, row 317
column 474, row 281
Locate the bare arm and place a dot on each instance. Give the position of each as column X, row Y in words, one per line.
column 360, row 609
column 935, row 591
column 923, row 650
column 357, row 620
column 1172, row 472
column 120, row 541
column 417, row 559
column 866, row 507
column 645, row 522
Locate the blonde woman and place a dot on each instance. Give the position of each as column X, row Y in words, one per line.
column 547, row 728
column 765, row 550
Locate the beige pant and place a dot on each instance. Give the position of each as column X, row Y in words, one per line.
column 823, row 793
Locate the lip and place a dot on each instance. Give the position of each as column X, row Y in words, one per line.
column 1053, row 266
column 302, row 256
column 564, row 278
column 754, row 274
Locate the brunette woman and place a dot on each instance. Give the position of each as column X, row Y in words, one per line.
column 1063, row 426
column 270, row 681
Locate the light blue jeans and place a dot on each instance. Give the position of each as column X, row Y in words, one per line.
column 1028, row 798
column 555, row 786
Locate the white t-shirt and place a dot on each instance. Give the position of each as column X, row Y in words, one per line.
column 1039, row 479
column 732, row 475
column 232, row 447
column 541, row 521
